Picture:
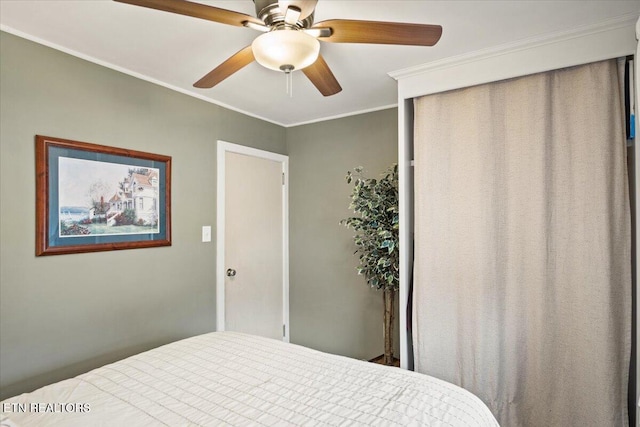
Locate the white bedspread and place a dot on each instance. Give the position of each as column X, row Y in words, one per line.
column 227, row 378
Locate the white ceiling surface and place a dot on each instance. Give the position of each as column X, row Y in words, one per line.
column 176, row 51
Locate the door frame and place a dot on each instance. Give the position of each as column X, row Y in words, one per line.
column 224, row 147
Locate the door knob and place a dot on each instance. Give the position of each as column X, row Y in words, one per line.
column 231, row 272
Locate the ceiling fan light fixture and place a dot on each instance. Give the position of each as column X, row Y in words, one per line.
column 286, row 50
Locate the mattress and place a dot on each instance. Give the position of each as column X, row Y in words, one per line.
column 229, row 378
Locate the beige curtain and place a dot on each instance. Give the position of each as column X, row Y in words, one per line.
column 522, row 289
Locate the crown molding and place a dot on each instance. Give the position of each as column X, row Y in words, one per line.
column 131, row 73
column 531, row 43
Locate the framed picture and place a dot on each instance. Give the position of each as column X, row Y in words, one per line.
column 92, row 198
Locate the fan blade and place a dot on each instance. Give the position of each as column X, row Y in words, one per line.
column 236, row 62
column 306, row 6
column 197, row 10
column 350, row 31
column 322, row 78
column 318, row 32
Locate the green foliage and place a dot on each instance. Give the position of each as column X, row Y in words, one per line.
column 127, row 217
column 375, row 202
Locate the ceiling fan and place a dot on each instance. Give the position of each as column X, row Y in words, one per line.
column 290, row 39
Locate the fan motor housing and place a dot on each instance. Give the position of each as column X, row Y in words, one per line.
column 270, row 13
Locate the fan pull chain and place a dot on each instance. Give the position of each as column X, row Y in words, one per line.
column 288, row 78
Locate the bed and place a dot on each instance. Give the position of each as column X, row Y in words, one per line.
column 229, row 378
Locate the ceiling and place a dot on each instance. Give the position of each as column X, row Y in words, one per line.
column 175, row 51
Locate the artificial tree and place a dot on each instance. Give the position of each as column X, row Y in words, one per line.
column 375, row 203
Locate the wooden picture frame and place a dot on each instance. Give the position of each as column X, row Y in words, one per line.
column 93, row 198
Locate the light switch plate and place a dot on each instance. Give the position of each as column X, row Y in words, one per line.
column 206, row 233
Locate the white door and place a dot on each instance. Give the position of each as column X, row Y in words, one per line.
column 252, row 276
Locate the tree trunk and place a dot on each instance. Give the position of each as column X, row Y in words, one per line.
column 388, row 297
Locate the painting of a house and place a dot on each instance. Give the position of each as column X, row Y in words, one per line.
column 102, row 198
column 138, row 192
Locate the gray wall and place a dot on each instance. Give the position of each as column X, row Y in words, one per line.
column 62, row 315
column 332, row 308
